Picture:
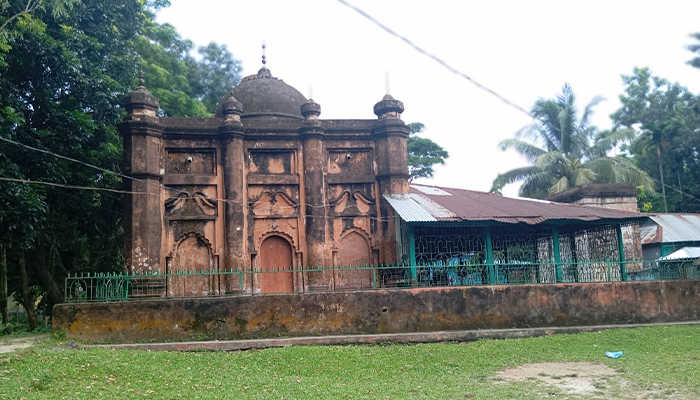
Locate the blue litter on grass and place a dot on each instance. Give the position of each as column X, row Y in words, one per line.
column 613, row 354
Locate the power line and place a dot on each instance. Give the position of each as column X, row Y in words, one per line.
column 244, row 204
column 67, row 186
column 455, row 71
column 69, row 159
column 678, row 190
column 294, row 215
column 435, row 58
column 104, row 170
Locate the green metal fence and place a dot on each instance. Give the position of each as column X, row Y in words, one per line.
column 214, row 282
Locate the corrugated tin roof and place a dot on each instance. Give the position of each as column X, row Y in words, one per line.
column 668, row 228
column 650, row 233
column 435, row 191
column 408, row 209
column 683, row 253
column 430, row 203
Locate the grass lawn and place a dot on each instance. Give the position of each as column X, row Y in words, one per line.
column 659, row 362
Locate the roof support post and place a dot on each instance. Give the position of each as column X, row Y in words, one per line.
column 412, row 250
column 489, row 256
column 621, row 251
column 557, row 253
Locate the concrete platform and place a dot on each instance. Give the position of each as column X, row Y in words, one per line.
column 420, row 337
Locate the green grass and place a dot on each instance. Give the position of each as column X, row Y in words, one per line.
column 665, row 359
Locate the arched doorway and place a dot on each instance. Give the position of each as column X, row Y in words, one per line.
column 276, row 255
column 192, row 257
column 354, row 252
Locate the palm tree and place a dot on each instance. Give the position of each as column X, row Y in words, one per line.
column 567, row 157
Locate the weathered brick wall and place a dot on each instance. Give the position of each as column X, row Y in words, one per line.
column 627, row 203
column 381, row 311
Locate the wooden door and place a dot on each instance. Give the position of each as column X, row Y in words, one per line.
column 354, row 252
column 276, row 255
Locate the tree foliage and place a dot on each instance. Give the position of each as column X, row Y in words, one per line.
column 567, row 151
column 423, row 153
column 666, row 120
column 218, row 72
column 64, row 68
column 695, row 48
column 59, row 88
column 185, row 86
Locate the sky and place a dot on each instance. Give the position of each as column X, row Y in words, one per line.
column 523, row 50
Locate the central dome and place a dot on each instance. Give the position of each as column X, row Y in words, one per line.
column 265, row 95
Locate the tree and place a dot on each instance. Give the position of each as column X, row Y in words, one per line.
column 218, row 73
column 423, row 153
column 570, row 152
column 64, row 68
column 168, row 68
column 184, row 86
column 60, row 84
column 22, row 12
column 666, row 120
column 695, row 48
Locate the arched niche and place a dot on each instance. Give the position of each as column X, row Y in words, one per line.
column 354, row 253
column 192, row 267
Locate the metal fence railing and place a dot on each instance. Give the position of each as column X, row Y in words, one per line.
column 220, row 282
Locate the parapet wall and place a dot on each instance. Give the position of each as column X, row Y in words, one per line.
column 381, row 311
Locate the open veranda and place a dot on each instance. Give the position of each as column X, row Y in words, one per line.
column 660, row 362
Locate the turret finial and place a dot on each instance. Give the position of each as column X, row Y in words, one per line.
column 142, row 82
column 264, row 61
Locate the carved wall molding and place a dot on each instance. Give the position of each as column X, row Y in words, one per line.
column 190, row 204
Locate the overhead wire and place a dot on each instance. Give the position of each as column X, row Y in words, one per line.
column 435, row 58
column 456, row 71
column 676, row 189
column 363, row 13
column 104, row 170
column 108, row 171
column 68, row 186
column 121, row 175
column 295, row 215
column 101, row 169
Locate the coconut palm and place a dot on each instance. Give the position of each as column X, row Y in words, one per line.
column 567, row 157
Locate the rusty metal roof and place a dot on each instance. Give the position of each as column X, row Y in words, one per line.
column 431, row 203
column 650, row 232
column 668, row 228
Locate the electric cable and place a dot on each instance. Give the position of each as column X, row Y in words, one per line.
column 435, row 58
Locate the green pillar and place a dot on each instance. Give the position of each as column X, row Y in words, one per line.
column 489, row 256
column 412, row 250
column 557, row 253
column 621, row 251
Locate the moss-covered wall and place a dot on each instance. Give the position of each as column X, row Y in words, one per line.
column 381, row 311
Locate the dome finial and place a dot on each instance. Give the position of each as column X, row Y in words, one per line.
column 263, row 54
column 264, row 72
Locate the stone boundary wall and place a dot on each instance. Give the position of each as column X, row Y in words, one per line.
column 381, row 311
